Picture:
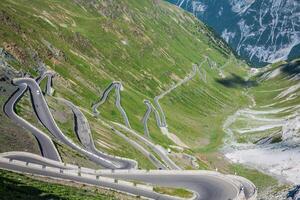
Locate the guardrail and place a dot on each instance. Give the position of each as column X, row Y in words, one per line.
column 159, row 172
column 253, row 195
column 73, row 172
column 104, row 178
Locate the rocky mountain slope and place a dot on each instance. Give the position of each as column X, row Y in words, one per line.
column 260, row 31
column 266, row 134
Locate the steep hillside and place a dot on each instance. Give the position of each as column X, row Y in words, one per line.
column 29, row 187
column 260, row 31
column 271, row 124
column 133, row 51
column 147, row 46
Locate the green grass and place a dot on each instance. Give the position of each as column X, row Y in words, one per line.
column 266, row 93
column 64, row 118
column 178, row 192
column 201, row 109
column 22, row 187
column 162, row 44
column 260, row 180
column 117, row 146
column 157, row 48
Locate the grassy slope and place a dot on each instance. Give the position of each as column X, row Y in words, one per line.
column 264, row 94
column 145, row 45
column 162, row 43
column 22, row 187
column 269, row 89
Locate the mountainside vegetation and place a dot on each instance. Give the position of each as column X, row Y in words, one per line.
column 149, row 46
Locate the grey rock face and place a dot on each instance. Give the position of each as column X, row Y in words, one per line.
column 261, row 31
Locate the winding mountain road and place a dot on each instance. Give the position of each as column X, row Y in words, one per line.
column 157, row 98
column 118, row 86
column 49, row 75
column 83, row 131
column 82, row 127
column 46, row 145
column 159, row 150
column 145, row 119
column 206, row 185
column 160, row 115
column 44, row 115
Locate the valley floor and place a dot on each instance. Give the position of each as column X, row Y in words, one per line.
column 265, row 135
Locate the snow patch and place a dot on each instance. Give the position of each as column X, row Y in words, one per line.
column 285, row 164
column 241, row 6
column 272, row 74
column 290, row 90
column 198, row 7
column 227, row 35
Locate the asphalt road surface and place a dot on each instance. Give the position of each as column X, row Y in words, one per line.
column 118, row 86
column 46, row 145
column 44, row 115
column 206, row 185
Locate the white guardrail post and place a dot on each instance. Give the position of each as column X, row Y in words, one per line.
column 83, row 172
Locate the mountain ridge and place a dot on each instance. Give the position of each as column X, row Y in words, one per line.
column 261, row 32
